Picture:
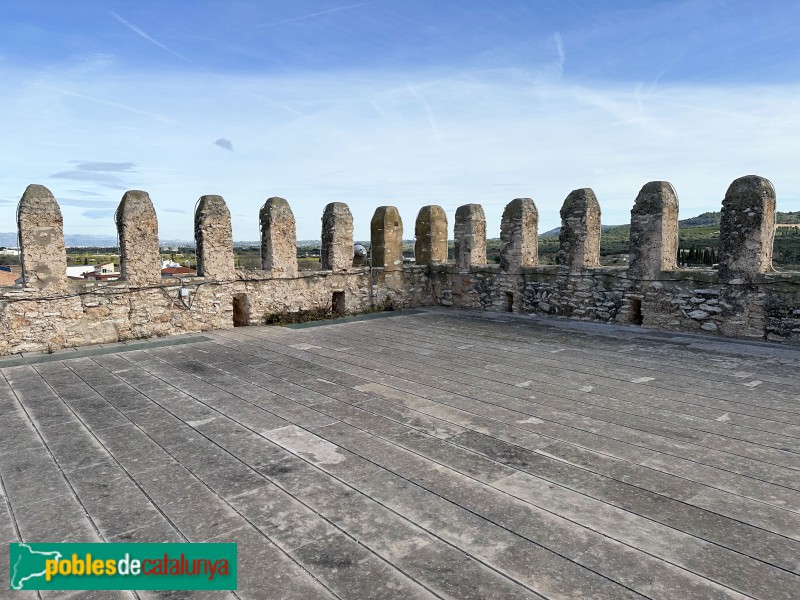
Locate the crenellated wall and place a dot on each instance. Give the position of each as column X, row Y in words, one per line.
column 743, row 298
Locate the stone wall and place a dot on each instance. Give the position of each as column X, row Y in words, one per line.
column 386, row 235
column 579, row 238
column 137, row 231
column 41, row 241
column 687, row 300
column 110, row 312
column 278, row 238
column 430, row 231
column 470, row 236
column 746, row 299
column 213, row 238
column 336, row 251
column 519, row 234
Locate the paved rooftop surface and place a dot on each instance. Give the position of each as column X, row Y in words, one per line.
column 432, row 454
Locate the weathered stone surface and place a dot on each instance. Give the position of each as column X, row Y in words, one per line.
column 41, row 239
column 443, row 467
column 278, row 238
column 137, row 230
column 654, row 231
column 337, row 237
column 579, row 239
column 214, row 238
column 386, row 230
column 747, row 228
column 431, row 233
column 470, row 236
column 698, row 315
column 519, row 234
column 101, row 312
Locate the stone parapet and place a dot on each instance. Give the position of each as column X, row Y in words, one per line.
column 579, row 238
column 654, row 231
column 137, row 231
column 430, row 231
column 213, row 238
column 742, row 298
column 336, row 252
column 386, row 233
column 747, row 229
column 41, row 241
column 519, row 234
column 470, row 236
column 278, row 238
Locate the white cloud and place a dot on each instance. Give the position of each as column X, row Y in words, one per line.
column 370, row 139
column 225, row 144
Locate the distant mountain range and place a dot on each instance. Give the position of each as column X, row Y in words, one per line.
column 707, row 219
column 78, row 240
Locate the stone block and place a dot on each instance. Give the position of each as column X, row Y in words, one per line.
column 747, row 228
column 337, row 238
column 470, row 236
column 214, row 238
column 519, row 234
column 654, row 231
column 579, row 238
column 386, row 229
column 137, row 230
column 41, row 240
column 430, row 231
column 278, row 238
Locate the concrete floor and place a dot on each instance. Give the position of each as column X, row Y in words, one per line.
column 435, row 453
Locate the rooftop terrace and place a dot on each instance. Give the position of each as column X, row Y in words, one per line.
column 434, row 453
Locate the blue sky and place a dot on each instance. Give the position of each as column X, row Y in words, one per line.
column 403, row 102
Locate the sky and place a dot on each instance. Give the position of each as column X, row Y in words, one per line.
column 393, row 102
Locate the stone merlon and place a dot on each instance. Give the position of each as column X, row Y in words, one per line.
column 41, row 239
column 387, row 238
column 137, row 230
column 430, row 231
column 278, row 238
column 579, row 238
column 747, row 229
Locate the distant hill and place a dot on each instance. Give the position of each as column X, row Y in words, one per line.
column 707, row 219
column 557, row 230
column 77, row 240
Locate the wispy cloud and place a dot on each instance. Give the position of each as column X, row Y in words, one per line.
column 224, row 143
column 99, row 214
column 103, row 174
column 85, row 193
column 113, row 167
column 97, row 204
column 104, row 178
column 535, row 123
column 428, row 110
column 231, row 82
column 318, row 14
column 562, row 56
column 107, row 103
column 150, row 39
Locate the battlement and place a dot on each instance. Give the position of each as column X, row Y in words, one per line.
column 743, row 298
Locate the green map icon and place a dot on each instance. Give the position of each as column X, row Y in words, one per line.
column 26, row 565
